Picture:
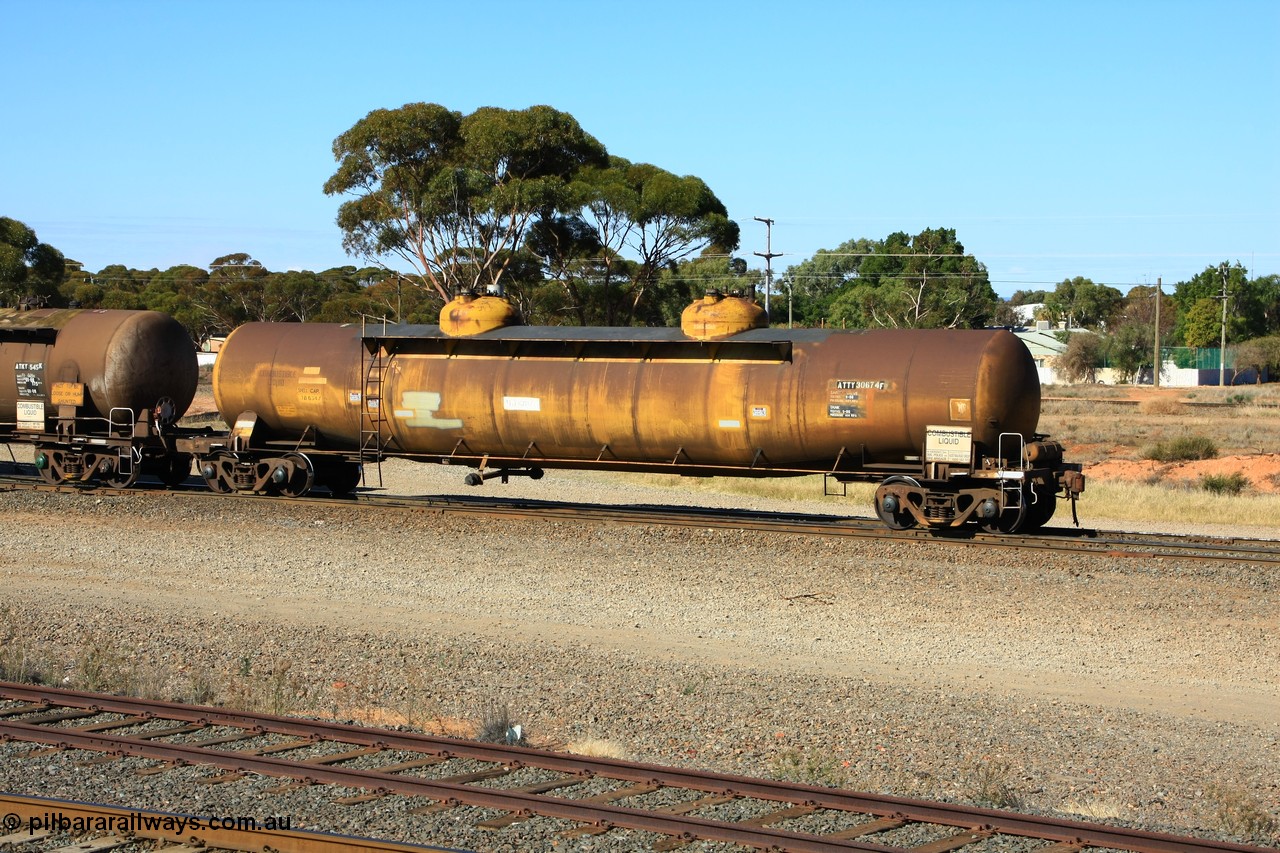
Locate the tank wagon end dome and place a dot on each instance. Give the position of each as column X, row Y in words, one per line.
column 293, row 376
column 150, row 361
column 128, row 359
column 1008, row 385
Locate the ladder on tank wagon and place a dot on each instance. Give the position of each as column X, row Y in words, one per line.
column 373, row 419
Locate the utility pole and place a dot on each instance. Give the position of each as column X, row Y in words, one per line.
column 1222, row 352
column 768, row 254
column 1155, row 373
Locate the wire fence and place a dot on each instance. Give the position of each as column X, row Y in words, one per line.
column 1198, row 358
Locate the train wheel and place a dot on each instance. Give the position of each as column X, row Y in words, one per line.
column 342, row 478
column 174, row 469
column 211, row 471
column 1012, row 520
column 49, row 464
column 118, row 480
column 302, row 478
column 888, row 508
column 1042, row 501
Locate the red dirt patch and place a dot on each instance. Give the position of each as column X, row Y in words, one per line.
column 1263, row 472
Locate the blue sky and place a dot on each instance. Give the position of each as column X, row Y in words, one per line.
column 1121, row 141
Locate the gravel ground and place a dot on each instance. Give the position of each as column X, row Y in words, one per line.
column 1134, row 690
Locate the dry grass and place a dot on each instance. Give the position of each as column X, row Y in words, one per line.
column 1119, row 422
column 809, row 767
column 1161, row 406
column 1115, row 501
column 1100, row 423
column 100, row 663
column 22, row 659
column 1095, row 808
column 595, row 747
column 993, row 784
column 1240, row 814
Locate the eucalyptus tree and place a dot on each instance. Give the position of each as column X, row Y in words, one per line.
column 175, row 291
column 1200, row 302
column 454, row 195
column 658, row 218
column 1133, row 327
column 816, row 282
column 236, row 293
column 925, row 281
column 1084, row 303
column 27, row 266
column 687, row 281
column 581, row 275
column 633, row 222
column 1260, row 354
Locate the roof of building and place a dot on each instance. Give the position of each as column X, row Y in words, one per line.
column 1041, row 343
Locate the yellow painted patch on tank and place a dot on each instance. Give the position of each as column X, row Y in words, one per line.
column 961, row 409
column 421, row 406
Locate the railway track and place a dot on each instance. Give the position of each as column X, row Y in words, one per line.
column 497, row 786
column 1117, row 544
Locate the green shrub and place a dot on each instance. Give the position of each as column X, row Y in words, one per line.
column 808, row 768
column 1186, row 448
column 1224, row 484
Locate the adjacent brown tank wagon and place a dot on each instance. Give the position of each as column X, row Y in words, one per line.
column 944, row 420
column 97, row 391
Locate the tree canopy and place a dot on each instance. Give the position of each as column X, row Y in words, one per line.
column 454, row 195
column 1081, row 303
column 517, row 198
column 925, row 281
column 28, row 268
column 634, row 221
column 1252, row 306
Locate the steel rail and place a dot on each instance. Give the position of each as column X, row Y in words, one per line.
column 452, row 793
column 1066, row 832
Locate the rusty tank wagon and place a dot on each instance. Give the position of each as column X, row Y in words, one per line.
column 98, row 392
column 944, row 421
